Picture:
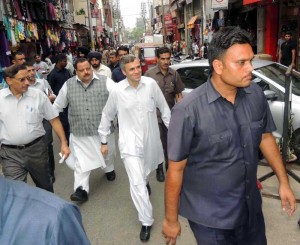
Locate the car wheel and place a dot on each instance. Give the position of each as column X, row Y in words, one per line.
column 296, row 143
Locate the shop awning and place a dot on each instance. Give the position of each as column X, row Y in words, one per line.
column 192, row 21
column 246, row 2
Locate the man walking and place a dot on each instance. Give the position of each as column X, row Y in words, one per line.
column 23, row 147
column 134, row 100
column 213, row 141
column 287, row 54
column 117, row 74
column 95, row 58
column 56, row 78
column 85, row 95
column 171, row 86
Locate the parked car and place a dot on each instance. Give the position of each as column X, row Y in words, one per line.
column 270, row 76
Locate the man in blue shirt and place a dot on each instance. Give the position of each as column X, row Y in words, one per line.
column 213, row 141
column 33, row 216
column 117, row 74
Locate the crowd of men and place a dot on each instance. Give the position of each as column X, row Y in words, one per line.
column 209, row 145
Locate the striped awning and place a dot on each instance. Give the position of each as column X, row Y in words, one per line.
column 192, row 21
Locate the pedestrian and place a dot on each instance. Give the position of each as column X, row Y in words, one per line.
column 94, row 58
column 44, row 86
column 46, row 218
column 171, row 86
column 40, row 67
column 113, row 60
column 56, row 78
column 287, row 52
column 117, row 74
column 280, row 41
column 23, row 146
column 18, row 58
column 85, row 95
column 134, row 100
column 214, row 137
column 195, row 48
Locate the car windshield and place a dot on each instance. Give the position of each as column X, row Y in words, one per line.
column 277, row 72
column 149, row 52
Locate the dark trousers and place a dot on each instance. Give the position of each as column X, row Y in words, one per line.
column 163, row 130
column 63, row 116
column 17, row 163
column 242, row 235
column 49, row 142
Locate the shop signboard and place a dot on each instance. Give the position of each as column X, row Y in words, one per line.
column 219, row 4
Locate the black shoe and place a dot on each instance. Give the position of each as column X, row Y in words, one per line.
column 111, row 176
column 145, row 233
column 148, row 189
column 160, row 176
column 79, row 195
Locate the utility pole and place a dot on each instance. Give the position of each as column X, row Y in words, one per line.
column 143, row 14
column 90, row 24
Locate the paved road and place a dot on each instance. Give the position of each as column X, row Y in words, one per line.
column 110, row 218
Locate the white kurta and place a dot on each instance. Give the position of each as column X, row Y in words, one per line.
column 86, row 150
column 138, row 127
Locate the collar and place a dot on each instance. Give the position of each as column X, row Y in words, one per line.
column 84, row 84
column 127, row 85
column 158, row 70
column 213, row 94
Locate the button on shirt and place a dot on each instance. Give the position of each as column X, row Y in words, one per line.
column 33, row 216
column 21, row 119
column 220, row 141
column 138, row 128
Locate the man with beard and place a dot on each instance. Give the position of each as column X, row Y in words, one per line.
column 98, row 68
column 287, row 52
column 85, row 95
column 171, row 86
column 56, row 78
column 134, row 100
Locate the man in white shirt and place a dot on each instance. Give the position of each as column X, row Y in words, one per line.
column 41, row 67
column 23, row 146
column 43, row 85
column 134, row 100
column 85, row 95
column 98, row 68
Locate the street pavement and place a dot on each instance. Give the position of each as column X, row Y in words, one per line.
column 109, row 217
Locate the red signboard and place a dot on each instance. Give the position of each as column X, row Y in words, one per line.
column 245, row 2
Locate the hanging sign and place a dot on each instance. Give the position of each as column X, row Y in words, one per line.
column 219, row 4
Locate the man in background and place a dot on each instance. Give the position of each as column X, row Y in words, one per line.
column 287, row 54
column 113, row 60
column 40, row 67
column 94, row 58
column 171, row 86
column 117, row 74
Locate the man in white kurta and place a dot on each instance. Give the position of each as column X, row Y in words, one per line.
column 135, row 100
column 86, row 95
column 95, row 58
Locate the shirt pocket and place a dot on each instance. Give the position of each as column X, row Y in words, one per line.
column 219, row 144
column 256, row 128
column 32, row 118
column 150, row 104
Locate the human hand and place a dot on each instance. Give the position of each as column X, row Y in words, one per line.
column 288, row 200
column 171, row 230
column 65, row 151
column 104, row 150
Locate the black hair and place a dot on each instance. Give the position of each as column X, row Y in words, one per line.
column 124, row 48
column 13, row 56
column 79, row 60
column 223, row 39
column 13, row 70
column 162, row 50
column 60, row 57
column 29, row 63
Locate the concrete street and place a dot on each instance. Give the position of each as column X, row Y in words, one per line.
column 110, row 218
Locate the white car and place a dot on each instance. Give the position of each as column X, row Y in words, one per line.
column 270, row 76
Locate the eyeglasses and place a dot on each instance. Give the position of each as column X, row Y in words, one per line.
column 23, row 79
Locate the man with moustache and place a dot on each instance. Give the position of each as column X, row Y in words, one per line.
column 23, row 147
column 134, row 100
column 214, row 137
column 85, row 94
column 171, row 86
column 95, row 58
column 43, row 85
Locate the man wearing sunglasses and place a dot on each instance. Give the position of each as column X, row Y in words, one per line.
column 23, row 146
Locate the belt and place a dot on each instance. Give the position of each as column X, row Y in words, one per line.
column 23, row 146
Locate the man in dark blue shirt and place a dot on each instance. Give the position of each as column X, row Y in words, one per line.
column 213, row 141
column 33, row 216
column 117, row 74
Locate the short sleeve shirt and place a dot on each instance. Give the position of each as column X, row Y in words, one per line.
column 220, row 141
column 286, row 52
